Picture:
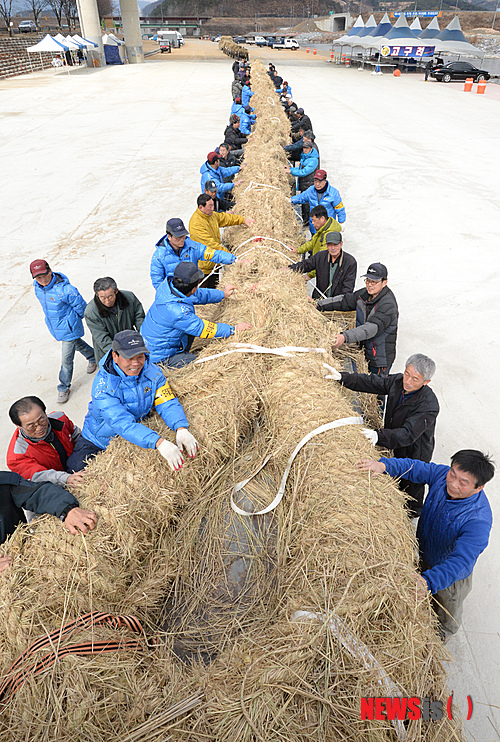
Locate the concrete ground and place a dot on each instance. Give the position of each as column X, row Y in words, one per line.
column 93, row 163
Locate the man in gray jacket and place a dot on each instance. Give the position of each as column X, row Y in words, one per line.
column 110, row 312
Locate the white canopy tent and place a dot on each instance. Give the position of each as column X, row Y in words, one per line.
column 399, row 35
column 381, row 30
column 353, row 31
column 87, row 44
column 48, row 44
column 453, row 41
column 117, row 41
column 415, row 26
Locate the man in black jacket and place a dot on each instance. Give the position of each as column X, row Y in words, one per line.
column 376, row 319
column 410, row 416
column 303, row 121
column 335, row 269
column 17, row 493
column 232, row 133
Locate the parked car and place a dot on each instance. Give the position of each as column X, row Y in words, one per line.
column 217, row 39
column 27, row 27
column 458, row 71
column 239, row 40
column 282, row 43
column 271, row 40
column 260, row 41
column 165, row 46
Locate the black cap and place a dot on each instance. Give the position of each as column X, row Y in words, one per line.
column 129, row 343
column 376, row 271
column 210, row 185
column 176, row 228
column 335, row 237
column 188, row 273
column 300, row 110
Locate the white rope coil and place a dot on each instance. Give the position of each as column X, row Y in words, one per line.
column 285, row 352
column 252, row 186
column 322, row 429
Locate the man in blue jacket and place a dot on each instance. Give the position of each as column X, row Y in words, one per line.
column 176, row 246
column 321, row 192
column 63, row 307
column 246, row 94
column 309, row 163
column 211, row 170
column 454, row 527
column 124, row 391
column 171, row 323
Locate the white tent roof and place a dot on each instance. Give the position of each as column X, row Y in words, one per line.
column 371, row 38
column 48, row 44
column 453, row 41
column 431, row 31
column 353, row 31
column 71, row 40
column 115, row 38
column 370, row 25
column 88, row 44
column 400, row 34
column 415, row 26
column 70, row 44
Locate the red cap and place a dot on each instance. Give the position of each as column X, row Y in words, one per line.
column 237, row 100
column 212, row 156
column 39, row 267
column 320, row 175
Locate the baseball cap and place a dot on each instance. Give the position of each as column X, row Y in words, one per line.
column 237, row 100
column 129, row 343
column 39, row 268
column 300, row 110
column 210, row 185
column 320, row 175
column 333, row 237
column 212, row 156
column 176, row 228
column 188, row 273
column 248, row 109
column 307, row 144
column 376, row 271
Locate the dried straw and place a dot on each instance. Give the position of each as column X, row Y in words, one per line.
column 223, row 588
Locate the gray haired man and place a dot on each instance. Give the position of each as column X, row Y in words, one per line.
column 110, row 312
column 410, row 415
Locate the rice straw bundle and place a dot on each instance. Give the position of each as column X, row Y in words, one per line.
column 220, row 588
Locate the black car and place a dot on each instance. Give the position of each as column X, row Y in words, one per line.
column 458, row 71
column 239, row 40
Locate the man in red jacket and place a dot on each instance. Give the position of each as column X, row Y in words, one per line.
column 42, row 443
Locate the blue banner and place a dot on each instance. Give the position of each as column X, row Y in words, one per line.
column 407, row 51
column 419, row 14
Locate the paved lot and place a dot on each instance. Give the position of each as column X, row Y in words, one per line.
column 93, row 163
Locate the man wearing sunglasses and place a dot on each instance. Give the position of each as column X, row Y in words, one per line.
column 376, row 319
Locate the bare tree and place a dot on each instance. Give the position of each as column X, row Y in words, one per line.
column 105, row 7
column 57, row 6
column 70, row 13
column 36, row 7
column 6, row 13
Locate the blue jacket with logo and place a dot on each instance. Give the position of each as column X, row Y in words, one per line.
column 165, row 258
column 451, row 533
column 63, row 307
column 330, row 199
column 217, row 175
column 239, row 110
column 119, row 402
column 171, row 319
column 308, row 164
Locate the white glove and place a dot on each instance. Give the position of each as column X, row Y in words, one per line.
column 171, row 453
column 185, row 440
column 334, row 374
column 371, row 435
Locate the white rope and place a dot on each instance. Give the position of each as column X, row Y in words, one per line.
column 322, row 429
column 274, row 118
column 284, row 352
column 271, row 100
column 359, row 651
column 260, row 186
column 257, row 237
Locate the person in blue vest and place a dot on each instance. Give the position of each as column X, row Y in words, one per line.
column 453, row 529
column 176, row 246
column 63, row 307
column 239, row 109
column 171, row 323
column 126, row 389
column 321, row 192
column 211, row 170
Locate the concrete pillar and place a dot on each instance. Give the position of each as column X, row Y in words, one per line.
column 90, row 26
column 132, row 31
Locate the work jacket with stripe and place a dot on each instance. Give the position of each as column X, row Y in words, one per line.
column 165, row 258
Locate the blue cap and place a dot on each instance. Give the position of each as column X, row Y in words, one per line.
column 188, row 273
column 176, row 228
column 129, row 343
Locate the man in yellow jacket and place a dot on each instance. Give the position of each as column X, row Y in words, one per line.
column 323, row 224
column 204, row 227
